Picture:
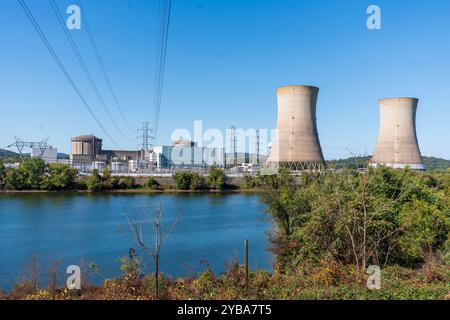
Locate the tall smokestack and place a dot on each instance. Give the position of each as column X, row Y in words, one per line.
column 296, row 145
column 397, row 144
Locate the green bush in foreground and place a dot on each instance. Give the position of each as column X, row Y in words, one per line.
column 383, row 217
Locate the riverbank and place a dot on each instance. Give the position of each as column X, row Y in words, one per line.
column 323, row 281
column 138, row 191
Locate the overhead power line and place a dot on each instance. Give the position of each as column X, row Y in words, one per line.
column 116, row 54
column 84, row 66
column 164, row 14
column 102, row 65
column 62, row 67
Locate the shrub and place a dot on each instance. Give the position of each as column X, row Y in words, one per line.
column 94, row 181
column 153, row 184
column 382, row 217
column 128, row 182
column 2, row 174
column 60, row 177
column 197, row 182
column 217, row 178
column 109, row 181
column 28, row 176
column 183, row 180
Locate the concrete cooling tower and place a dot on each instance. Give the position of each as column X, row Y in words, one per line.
column 397, row 144
column 296, row 144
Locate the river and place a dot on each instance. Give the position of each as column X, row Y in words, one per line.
column 84, row 228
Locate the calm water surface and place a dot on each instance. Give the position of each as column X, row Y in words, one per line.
column 85, row 228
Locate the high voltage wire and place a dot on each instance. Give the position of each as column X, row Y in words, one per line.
column 62, row 67
column 116, row 55
column 84, row 66
column 163, row 35
column 102, row 65
column 146, row 51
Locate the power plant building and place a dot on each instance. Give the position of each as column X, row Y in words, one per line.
column 85, row 150
column 188, row 154
column 49, row 155
column 87, row 153
column 397, row 144
column 296, row 144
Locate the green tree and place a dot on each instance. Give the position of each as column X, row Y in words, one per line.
column 2, row 174
column 110, row 182
column 94, row 181
column 59, row 177
column 382, row 217
column 128, row 182
column 197, row 182
column 28, row 176
column 32, row 172
column 426, row 229
column 183, row 180
column 153, row 184
column 13, row 180
column 217, row 178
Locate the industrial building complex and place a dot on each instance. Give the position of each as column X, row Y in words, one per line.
column 87, row 154
column 295, row 145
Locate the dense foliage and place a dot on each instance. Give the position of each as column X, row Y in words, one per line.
column 383, row 217
column 34, row 174
column 2, row 174
column 189, row 181
column 97, row 182
column 217, row 178
column 330, row 227
column 153, row 184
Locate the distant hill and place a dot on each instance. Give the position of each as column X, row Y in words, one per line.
column 431, row 163
column 7, row 154
column 10, row 154
column 434, row 163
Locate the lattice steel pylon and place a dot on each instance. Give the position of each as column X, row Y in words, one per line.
column 234, row 145
column 146, row 136
column 21, row 145
column 258, row 148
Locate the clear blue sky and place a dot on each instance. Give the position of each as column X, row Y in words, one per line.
column 225, row 60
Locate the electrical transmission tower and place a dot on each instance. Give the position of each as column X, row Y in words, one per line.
column 146, row 136
column 20, row 145
column 258, row 148
column 234, row 145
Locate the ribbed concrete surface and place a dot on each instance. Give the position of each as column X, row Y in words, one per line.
column 397, row 144
column 297, row 140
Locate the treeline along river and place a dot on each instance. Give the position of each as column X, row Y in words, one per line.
column 81, row 228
